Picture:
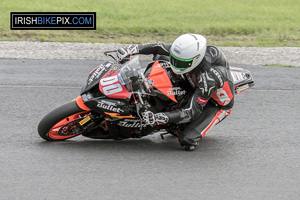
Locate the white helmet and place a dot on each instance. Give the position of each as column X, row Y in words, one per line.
column 186, row 52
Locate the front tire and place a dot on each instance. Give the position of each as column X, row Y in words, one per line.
column 50, row 125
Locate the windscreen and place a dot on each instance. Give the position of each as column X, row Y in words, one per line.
column 129, row 71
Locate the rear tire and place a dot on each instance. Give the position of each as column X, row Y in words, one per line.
column 53, row 121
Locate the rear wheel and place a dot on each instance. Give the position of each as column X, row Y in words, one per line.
column 61, row 123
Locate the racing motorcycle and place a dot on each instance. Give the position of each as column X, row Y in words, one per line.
column 115, row 95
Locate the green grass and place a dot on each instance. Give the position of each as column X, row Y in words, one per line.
column 225, row 23
column 280, row 65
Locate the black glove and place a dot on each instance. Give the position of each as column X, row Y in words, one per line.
column 123, row 54
column 150, row 118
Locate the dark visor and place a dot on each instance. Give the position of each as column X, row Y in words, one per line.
column 180, row 64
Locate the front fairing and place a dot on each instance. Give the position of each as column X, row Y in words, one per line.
column 108, row 89
column 95, row 76
column 155, row 84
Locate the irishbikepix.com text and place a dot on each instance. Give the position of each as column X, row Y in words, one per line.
column 68, row 20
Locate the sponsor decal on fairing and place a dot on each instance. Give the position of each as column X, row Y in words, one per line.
column 131, row 123
column 107, row 105
column 108, row 65
column 176, row 91
column 86, row 97
column 96, row 74
column 113, row 70
column 242, row 88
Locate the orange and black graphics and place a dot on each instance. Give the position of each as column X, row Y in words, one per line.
column 161, row 81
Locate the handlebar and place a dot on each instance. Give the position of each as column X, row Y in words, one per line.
column 108, row 53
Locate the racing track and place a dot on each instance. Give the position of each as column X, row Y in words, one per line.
column 253, row 154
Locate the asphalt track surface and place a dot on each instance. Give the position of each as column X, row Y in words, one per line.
column 253, row 154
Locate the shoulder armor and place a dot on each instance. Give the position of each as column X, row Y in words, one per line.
column 215, row 56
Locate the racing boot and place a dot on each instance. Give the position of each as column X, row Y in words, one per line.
column 189, row 147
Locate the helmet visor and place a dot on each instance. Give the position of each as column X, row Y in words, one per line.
column 180, row 64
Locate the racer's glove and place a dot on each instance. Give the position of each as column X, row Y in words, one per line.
column 150, row 118
column 123, row 54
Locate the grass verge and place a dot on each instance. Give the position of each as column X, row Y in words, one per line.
column 224, row 23
column 281, row 65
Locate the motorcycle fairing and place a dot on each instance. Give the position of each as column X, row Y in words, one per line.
column 159, row 79
column 117, row 115
column 95, row 75
column 242, row 79
column 110, row 86
column 104, row 105
column 80, row 104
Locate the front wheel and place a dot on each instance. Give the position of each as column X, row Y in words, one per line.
column 61, row 123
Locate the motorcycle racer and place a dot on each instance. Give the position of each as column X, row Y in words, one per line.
column 206, row 69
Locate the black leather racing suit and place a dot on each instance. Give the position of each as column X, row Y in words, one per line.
column 213, row 97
